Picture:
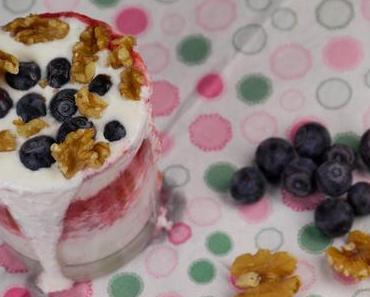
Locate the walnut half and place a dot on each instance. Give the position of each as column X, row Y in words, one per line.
column 79, row 151
column 7, row 141
column 89, row 104
column 8, row 63
column 35, row 29
column 30, row 128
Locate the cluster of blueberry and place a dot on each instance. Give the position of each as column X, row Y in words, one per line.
column 311, row 164
column 35, row 152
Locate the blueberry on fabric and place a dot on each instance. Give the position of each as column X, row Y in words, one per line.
column 247, row 185
column 272, row 155
column 299, row 177
column 312, row 140
column 63, row 105
column 72, row 124
column 334, row 178
column 6, row 103
column 334, row 217
column 35, row 153
column 31, row 106
column 114, row 131
column 365, row 148
column 28, row 76
column 101, row 84
column 341, row 153
column 58, row 72
column 359, row 198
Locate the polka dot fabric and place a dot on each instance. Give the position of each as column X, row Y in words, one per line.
column 227, row 74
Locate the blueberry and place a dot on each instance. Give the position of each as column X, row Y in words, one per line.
column 114, row 131
column 6, row 103
column 247, row 185
column 341, row 153
column 365, row 147
column 58, row 72
column 312, row 140
column 299, row 177
column 31, row 106
column 359, row 198
column 272, row 155
column 35, row 153
column 334, row 178
column 100, row 84
column 334, row 217
column 73, row 124
column 62, row 105
column 28, row 76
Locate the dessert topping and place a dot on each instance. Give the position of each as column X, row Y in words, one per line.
column 58, row 72
column 73, row 124
column 6, row 103
column 131, row 82
column 353, row 259
column 31, row 106
column 121, row 55
column 89, row 104
column 92, row 40
column 63, row 106
column 7, row 141
column 114, row 131
column 27, row 77
column 35, row 153
column 35, row 29
column 266, row 274
column 8, row 63
column 101, row 84
column 31, row 128
column 79, row 151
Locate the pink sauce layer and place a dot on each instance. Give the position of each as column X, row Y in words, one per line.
column 103, row 209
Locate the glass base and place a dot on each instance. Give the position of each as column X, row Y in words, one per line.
column 101, row 267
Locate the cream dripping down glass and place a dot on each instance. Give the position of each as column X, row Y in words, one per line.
column 78, row 149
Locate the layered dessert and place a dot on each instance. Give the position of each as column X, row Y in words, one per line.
column 78, row 181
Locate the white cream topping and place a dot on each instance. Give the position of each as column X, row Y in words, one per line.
column 39, row 199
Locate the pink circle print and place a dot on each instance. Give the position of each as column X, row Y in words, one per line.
column 307, row 274
column 300, row 204
column 79, row 289
column 259, row 126
column 292, row 100
column 17, row 292
column 132, row 20
column 343, row 53
column 167, row 142
column 156, row 56
column 290, row 61
column 256, row 213
column 365, row 8
column 210, row 86
column 214, row 15
column 165, row 98
column 180, row 233
column 173, row 24
column 204, row 211
column 161, row 261
column 210, row 132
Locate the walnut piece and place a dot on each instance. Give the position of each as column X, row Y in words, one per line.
column 131, row 83
column 8, row 63
column 79, row 151
column 266, row 274
column 35, row 29
column 7, row 141
column 31, row 128
column 121, row 55
column 92, row 40
column 89, row 104
column 353, row 259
